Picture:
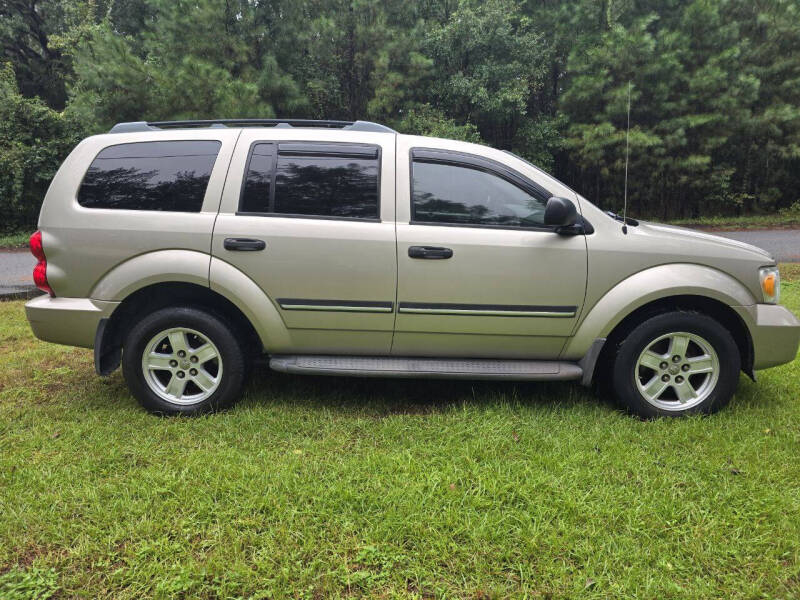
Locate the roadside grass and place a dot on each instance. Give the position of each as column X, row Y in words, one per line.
column 327, row 488
column 14, row 240
column 774, row 221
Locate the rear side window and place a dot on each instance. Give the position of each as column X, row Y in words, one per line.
column 321, row 180
column 164, row 176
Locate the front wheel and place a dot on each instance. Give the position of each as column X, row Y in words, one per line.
column 674, row 364
column 182, row 360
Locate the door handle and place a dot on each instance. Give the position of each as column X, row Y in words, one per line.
column 244, row 244
column 429, row 252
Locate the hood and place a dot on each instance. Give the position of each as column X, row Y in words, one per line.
column 693, row 235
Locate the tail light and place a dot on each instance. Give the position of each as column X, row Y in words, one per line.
column 40, row 270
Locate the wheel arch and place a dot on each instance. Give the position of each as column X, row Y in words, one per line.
column 660, row 289
column 112, row 331
column 715, row 309
column 183, row 277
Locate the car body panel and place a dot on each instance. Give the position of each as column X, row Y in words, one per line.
column 186, row 266
column 334, row 265
column 646, row 286
column 615, row 255
column 70, row 321
column 497, row 274
column 96, row 258
column 775, row 333
column 83, row 244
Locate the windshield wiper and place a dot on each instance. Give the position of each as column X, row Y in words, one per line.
column 626, row 220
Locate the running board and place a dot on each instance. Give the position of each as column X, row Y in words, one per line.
column 447, row 368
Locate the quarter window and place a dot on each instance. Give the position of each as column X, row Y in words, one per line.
column 258, row 179
column 312, row 180
column 162, row 176
column 465, row 195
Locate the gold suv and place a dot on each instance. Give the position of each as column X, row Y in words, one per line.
column 184, row 250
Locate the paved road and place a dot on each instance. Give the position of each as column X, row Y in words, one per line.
column 783, row 244
column 16, row 272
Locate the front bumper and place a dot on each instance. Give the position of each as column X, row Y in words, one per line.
column 775, row 332
column 69, row 321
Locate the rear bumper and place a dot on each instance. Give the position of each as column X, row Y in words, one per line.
column 775, row 332
column 69, row 321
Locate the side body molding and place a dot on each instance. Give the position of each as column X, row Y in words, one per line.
column 187, row 266
column 646, row 286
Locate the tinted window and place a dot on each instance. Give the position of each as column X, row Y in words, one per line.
column 150, row 176
column 312, row 179
column 461, row 195
column 258, row 180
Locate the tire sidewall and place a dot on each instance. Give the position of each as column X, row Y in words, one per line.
column 711, row 330
column 214, row 328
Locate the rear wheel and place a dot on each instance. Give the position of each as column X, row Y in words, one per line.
column 183, row 361
column 674, row 364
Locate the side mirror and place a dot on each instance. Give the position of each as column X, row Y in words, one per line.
column 560, row 212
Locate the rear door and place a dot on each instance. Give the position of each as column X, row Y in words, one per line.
column 479, row 274
column 323, row 210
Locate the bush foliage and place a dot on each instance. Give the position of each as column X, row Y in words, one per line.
column 34, row 139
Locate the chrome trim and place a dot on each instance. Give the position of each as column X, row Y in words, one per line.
column 485, row 313
column 370, row 306
column 337, row 308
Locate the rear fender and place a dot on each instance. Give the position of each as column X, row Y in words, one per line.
column 187, row 266
column 254, row 303
column 166, row 266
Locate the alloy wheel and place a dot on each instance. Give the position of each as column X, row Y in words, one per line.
column 677, row 371
column 182, row 366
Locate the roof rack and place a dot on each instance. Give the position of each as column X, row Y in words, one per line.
column 135, row 126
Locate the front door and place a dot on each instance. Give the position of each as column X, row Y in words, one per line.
column 324, row 211
column 479, row 275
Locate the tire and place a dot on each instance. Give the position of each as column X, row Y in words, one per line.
column 208, row 376
column 675, row 364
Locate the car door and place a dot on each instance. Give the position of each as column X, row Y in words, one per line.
column 479, row 274
column 312, row 224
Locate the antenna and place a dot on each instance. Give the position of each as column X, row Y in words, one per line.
column 627, row 146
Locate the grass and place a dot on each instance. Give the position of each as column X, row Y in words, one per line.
column 14, row 240
column 326, row 488
column 775, row 221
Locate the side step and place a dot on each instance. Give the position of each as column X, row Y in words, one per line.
column 447, row 368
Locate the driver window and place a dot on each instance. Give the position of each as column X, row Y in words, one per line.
column 464, row 195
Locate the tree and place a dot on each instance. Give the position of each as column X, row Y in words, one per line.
column 37, row 37
column 191, row 60
column 687, row 97
column 490, row 61
column 715, row 84
column 34, row 140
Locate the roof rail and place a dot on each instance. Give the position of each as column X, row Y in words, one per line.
column 135, row 126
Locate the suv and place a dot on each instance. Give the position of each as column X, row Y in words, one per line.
column 185, row 250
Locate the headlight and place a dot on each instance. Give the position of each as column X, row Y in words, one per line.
column 770, row 284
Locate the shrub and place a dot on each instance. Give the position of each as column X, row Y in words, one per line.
column 34, row 139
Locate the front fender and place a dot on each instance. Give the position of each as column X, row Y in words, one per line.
column 646, row 286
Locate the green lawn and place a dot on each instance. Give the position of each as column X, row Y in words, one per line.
column 325, row 488
column 15, row 240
